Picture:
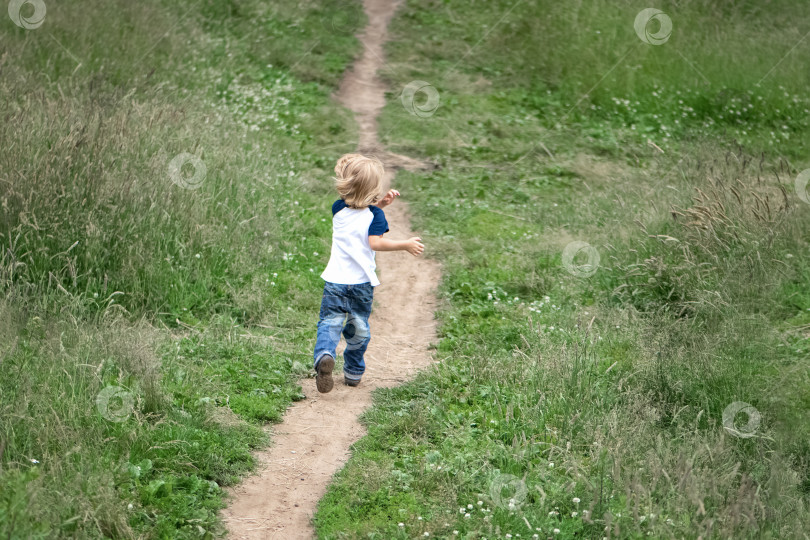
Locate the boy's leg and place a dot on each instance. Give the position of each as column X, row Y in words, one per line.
column 332, row 317
column 357, row 333
column 329, row 329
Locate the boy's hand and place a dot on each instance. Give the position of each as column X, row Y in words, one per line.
column 414, row 246
column 388, row 199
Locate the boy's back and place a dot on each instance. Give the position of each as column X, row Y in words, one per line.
column 352, row 259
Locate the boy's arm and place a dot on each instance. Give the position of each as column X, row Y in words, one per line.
column 413, row 245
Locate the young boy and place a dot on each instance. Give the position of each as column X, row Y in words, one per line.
column 357, row 232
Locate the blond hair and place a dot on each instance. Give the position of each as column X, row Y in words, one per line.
column 359, row 179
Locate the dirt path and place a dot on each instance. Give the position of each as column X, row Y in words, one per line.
column 313, row 440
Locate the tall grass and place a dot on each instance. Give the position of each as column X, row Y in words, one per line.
column 102, row 153
column 150, row 318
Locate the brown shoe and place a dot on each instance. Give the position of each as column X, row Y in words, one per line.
column 350, row 382
column 323, row 378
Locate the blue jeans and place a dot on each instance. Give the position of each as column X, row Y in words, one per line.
column 345, row 310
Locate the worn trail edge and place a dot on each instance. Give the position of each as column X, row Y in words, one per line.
column 313, row 440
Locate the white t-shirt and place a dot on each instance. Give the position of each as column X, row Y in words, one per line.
column 352, row 259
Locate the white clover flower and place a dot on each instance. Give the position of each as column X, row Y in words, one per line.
column 556, row 531
column 466, row 516
column 576, row 500
column 401, row 524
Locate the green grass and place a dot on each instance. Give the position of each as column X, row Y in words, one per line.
column 148, row 330
column 502, row 71
column 596, row 403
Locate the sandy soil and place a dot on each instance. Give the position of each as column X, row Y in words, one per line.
column 314, row 438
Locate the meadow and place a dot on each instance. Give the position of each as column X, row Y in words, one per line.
column 164, row 187
column 626, row 297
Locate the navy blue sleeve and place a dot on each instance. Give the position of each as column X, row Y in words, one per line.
column 379, row 226
column 339, row 205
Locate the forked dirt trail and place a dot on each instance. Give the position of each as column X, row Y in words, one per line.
column 313, row 440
